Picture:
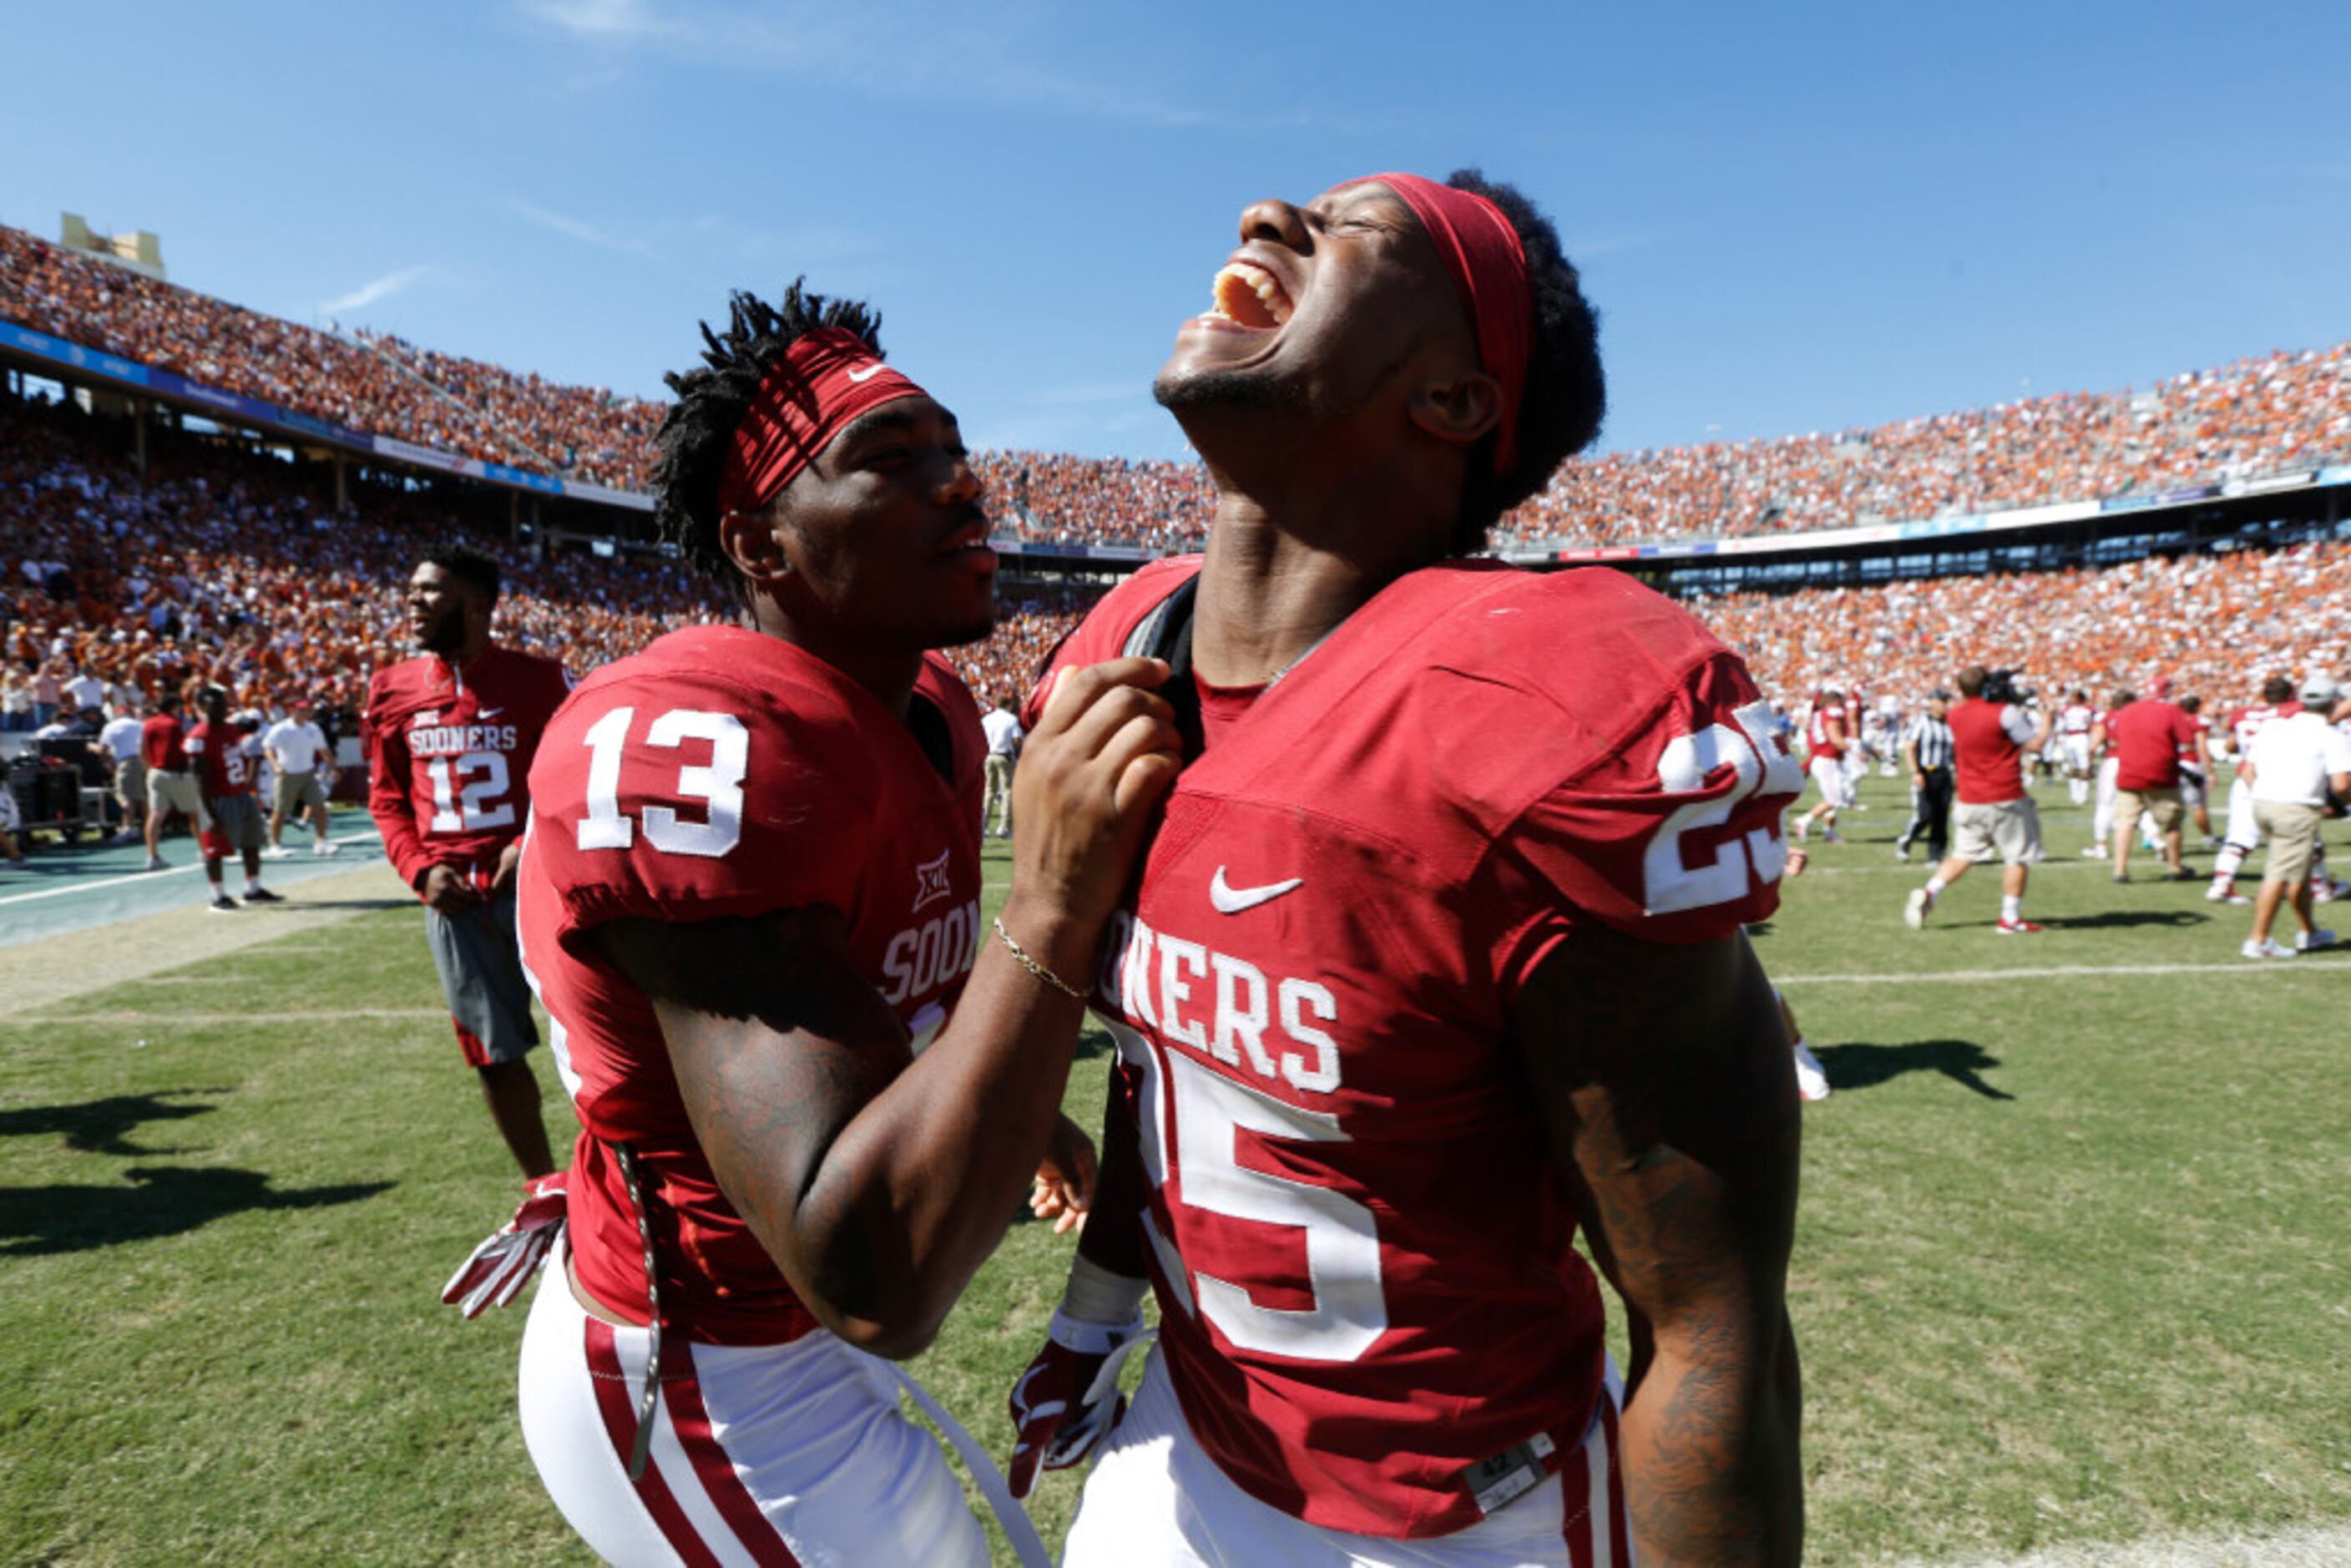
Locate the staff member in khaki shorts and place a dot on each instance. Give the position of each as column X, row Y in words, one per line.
column 297, row 750
column 2292, row 764
column 1995, row 816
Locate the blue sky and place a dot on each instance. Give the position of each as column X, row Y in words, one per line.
column 1791, row 219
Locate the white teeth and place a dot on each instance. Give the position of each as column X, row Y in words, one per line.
column 1226, row 294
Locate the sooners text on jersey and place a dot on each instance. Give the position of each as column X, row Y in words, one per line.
column 448, row 752
column 725, row 773
column 1361, row 1248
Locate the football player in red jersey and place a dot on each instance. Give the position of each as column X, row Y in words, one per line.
column 1435, row 956
column 232, row 815
column 450, row 736
column 811, row 1083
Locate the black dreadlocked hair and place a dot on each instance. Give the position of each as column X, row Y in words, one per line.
column 470, row 567
column 712, row 399
column 1566, row 396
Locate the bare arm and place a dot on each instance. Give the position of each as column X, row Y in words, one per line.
column 1663, row 1078
column 878, row 1182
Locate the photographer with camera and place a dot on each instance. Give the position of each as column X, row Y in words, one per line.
column 1991, row 736
column 2299, row 767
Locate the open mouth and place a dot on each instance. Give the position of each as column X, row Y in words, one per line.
column 1249, row 295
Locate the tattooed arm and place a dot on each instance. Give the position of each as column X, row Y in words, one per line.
column 1664, row 1081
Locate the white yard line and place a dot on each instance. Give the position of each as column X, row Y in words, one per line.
column 171, row 869
column 2310, row 1547
column 2271, row 968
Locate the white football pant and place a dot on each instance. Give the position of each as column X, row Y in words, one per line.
column 1156, row 1499
column 761, row 1455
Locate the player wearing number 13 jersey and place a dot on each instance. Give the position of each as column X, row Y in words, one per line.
column 1436, row 953
column 450, row 738
column 810, row 1083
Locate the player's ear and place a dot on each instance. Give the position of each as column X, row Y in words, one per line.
column 1457, row 407
column 754, row 541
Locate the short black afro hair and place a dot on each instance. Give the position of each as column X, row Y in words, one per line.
column 713, row 398
column 1566, row 395
column 470, row 567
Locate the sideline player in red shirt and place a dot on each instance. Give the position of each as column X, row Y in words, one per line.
column 1436, row 955
column 232, row 815
column 2149, row 735
column 450, row 738
column 172, row 785
column 811, row 1084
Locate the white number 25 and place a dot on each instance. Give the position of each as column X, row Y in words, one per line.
column 719, row 783
column 1762, row 764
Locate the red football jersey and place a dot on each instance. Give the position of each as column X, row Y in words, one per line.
column 1358, row 1239
column 2148, row 736
column 448, row 753
column 723, row 772
column 217, row 753
column 1823, row 742
column 163, row 743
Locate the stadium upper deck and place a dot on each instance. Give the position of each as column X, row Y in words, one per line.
column 2207, row 427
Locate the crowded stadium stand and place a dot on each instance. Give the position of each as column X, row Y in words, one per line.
column 220, row 493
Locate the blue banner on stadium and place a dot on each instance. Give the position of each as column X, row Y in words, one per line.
column 66, row 352
column 2127, row 503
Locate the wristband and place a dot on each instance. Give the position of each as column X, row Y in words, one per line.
column 1096, row 1295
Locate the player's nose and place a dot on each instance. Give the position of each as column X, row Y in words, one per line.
column 1276, row 220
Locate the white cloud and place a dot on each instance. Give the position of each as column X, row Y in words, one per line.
column 580, row 229
column 367, row 294
column 614, row 19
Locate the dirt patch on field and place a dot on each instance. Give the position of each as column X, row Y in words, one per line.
column 43, row 973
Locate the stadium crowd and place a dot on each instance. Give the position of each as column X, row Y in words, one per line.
column 2210, row 624
column 2261, row 414
column 228, row 567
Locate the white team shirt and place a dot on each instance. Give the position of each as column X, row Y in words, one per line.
column 2292, row 756
column 1003, row 732
column 293, row 747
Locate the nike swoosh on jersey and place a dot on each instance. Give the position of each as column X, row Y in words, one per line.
column 867, row 374
column 488, row 713
column 1231, row 899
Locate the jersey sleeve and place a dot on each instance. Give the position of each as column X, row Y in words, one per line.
column 390, row 773
column 1670, row 834
column 685, row 798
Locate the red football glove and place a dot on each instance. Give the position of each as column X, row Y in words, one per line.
column 501, row 1265
column 1069, row 1397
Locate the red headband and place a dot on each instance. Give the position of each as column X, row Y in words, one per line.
column 1488, row 266
column 824, row 380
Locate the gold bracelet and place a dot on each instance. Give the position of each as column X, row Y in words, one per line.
column 1033, row 966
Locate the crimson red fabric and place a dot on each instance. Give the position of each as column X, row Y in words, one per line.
column 1488, row 266
column 2150, row 736
column 1988, row 770
column 824, row 380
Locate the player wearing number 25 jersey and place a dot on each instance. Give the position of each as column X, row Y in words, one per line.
column 1434, row 956
column 450, row 738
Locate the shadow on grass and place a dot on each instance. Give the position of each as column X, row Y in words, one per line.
column 1864, row 1066
column 364, row 904
column 103, row 1126
column 39, row 1221
column 2119, row 919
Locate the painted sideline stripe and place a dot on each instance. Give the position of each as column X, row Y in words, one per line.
column 174, row 1015
column 2272, row 967
column 2309, row 1547
column 197, row 864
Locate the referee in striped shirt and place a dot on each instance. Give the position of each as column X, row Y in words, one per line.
column 1926, row 747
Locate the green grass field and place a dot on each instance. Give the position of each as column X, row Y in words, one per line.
column 2074, row 1262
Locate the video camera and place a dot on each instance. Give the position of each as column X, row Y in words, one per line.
column 2000, row 687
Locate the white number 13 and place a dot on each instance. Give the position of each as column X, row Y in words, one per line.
column 718, row 784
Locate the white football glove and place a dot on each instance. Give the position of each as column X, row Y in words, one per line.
column 501, row 1265
column 1069, row 1399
